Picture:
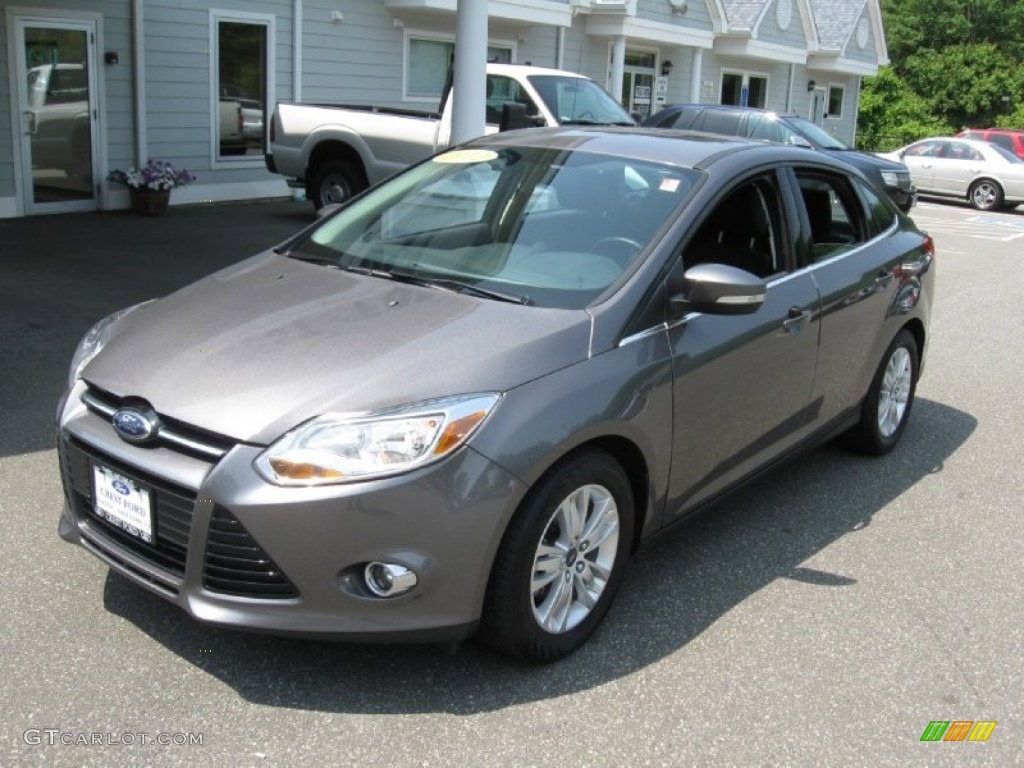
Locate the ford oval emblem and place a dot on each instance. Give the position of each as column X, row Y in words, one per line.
column 133, row 426
column 121, row 488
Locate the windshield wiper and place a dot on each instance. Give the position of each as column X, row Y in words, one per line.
column 458, row 286
column 330, row 261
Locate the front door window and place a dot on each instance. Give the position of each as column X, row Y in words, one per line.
column 56, row 102
column 638, row 83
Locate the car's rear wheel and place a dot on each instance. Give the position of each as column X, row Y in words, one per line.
column 985, row 195
column 335, row 181
column 886, row 407
column 562, row 559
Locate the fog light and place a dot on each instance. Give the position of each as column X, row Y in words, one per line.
column 388, row 579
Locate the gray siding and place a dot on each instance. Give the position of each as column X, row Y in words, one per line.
column 540, row 47
column 793, row 36
column 695, row 17
column 178, row 79
column 869, row 53
column 358, row 61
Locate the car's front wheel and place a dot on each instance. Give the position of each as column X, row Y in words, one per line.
column 985, row 195
column 562, row 559
column 886, row 407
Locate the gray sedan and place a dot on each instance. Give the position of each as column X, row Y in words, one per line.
column 461, row 402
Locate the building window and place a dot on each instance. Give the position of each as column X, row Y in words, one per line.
column 744, row 89
column 427, row 61
column 242, row 81
column 836, row 93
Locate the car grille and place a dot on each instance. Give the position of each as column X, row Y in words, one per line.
column 173, row 507
column 236, row 565
column 171, row 434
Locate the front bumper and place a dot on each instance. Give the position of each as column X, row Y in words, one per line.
column 235, row 551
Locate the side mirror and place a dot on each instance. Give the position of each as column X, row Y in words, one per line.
column 514, row 117
column 718, row 289
column 328, row 209
column 637, row 117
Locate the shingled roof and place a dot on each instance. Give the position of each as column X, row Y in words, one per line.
column 743, row 14
column 835, row 20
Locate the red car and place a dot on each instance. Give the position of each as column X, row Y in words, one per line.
column 1007, row 138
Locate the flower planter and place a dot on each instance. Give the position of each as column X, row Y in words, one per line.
column 150, row 202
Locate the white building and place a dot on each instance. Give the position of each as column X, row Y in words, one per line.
column 87, row 86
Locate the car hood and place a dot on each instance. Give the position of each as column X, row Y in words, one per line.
column 254, row 350
column 855, row 157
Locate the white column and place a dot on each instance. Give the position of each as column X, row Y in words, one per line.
column 139, row 77
column 696, row 59
column 469, row 99
column 296, row 58
column 618, row 66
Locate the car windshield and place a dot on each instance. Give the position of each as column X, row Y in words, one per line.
column 578, row 100
column 815, row 134
column 545, row 226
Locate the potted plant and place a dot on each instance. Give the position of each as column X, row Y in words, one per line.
column 150, row 186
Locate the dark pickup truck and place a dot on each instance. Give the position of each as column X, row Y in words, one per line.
column 753, row 123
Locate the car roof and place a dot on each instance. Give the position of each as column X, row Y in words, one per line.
column 692, row 149
column 526, row 69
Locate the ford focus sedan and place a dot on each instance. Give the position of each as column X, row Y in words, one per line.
column 461, row 402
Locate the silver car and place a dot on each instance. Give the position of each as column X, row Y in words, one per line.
column 987, row 176
column 462, row 401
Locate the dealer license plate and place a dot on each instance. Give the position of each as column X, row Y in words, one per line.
column 122, row 502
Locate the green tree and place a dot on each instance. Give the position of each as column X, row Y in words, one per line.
column 892, row 115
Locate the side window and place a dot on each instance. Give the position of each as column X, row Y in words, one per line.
column 835, row 214
column 744, row 230
column 505, row 90
column 1001, row 140
column 925, row 149
column 718, row 121
column 882, row 216
column 957, row 150
column 760, row 126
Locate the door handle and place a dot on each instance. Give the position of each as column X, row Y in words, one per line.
column 795, row 320
column 29, row 123
column 884, row 278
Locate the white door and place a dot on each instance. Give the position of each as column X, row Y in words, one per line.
column 55, row 82
column 818, row 102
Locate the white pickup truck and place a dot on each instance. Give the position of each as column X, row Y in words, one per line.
column 336, row 151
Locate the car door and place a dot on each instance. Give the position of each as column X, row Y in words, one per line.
column 854, row 264
column 742, row 384
column 957, row 167
column 920, row 158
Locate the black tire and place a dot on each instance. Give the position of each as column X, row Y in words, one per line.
column 870, row 436
column 334, row 181
column 511, row 621
column 985, row 195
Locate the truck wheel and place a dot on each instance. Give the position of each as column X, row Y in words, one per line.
column 334, row 182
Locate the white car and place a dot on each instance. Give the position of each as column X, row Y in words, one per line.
column 987, row 176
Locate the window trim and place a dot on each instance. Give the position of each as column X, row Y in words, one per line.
column 842, row 101
column 439, row 37
column 269, row 20
column 745, row 75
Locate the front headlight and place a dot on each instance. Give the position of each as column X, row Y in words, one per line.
column 335, row 448
column 94, row 340
column 890, row 179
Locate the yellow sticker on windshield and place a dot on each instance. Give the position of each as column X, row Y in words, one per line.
column 467, row 156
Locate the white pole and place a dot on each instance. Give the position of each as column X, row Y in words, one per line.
column 696, row 58
column 469, row 98
column 618, row 66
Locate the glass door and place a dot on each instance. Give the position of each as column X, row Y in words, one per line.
column 56, row 102
column 638, row 82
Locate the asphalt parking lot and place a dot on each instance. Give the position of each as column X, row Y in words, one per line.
column 823, row 616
